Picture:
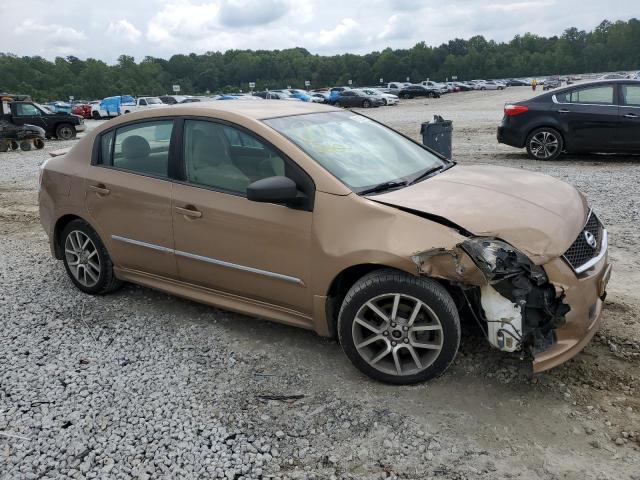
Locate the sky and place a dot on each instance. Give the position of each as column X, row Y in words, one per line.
column 108, row 28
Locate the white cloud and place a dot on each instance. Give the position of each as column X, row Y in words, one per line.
column 182, row 20
column 346, row 33
column 56, row 35
column 123, row 29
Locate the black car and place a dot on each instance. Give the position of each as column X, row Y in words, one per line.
column 357, row 98
column 594, row 117
column 514, row 82
column 551, row 83
column 413, row 91
column 64, row 126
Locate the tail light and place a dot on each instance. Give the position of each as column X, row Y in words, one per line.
column 513, row 110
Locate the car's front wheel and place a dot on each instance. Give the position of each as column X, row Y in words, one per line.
column 86, row 259
column 65, row 131
column 398, row 328
column 544, row 144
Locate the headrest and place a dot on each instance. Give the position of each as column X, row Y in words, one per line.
column 135, row 146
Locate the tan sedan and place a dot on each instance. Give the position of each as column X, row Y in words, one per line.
column 324, row 219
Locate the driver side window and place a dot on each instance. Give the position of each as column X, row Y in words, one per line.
column 26, row 110
column 226, row 158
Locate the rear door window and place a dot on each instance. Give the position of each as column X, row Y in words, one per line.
column 598, row 95
column 631, row 95
column 141, row 148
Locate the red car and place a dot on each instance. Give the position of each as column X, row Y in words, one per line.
column 82, row 109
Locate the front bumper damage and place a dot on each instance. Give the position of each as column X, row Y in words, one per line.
column 546, row 312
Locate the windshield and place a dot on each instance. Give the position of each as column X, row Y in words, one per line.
column 358, row 151
column 153, row 101
column 43, row 108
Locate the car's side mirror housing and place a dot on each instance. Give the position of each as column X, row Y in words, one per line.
column 277, row 189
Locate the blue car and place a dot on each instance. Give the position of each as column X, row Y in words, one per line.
column 59, row 107
column 300, row 94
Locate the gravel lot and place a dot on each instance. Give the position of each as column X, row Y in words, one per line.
column 142, row 385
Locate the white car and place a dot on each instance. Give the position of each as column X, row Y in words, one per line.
column 142, row 103
column 441, row 87
column 388, row 98
column 492, row 85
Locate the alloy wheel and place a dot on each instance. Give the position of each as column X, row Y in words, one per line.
column 544, row 144
column 397, row 334
column 82, row 258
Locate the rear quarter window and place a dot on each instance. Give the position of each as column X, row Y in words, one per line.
column 599, row 95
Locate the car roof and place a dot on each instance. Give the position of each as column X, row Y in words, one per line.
column 597, row 82
column 257, row 110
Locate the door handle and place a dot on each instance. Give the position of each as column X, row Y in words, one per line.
column 631, row 115
column 189, row 211
column 100, row 189
column 563, row 110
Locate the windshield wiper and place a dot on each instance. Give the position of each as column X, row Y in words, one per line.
column 381, row 187
column 425, row 174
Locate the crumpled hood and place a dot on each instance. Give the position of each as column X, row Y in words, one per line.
column 537, row 214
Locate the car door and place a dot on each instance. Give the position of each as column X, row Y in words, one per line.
column 347, row 98
column 128, row 196
column 27, row 113
column 628, row 137
column 589, row 116
column 227, row 243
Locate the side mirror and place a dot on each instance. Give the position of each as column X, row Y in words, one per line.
column 273, row 190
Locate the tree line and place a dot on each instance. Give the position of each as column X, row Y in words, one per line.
column 610, row 46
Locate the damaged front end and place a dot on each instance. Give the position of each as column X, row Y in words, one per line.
column 509, row 295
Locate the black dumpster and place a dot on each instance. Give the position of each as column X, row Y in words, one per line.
column 437, row 134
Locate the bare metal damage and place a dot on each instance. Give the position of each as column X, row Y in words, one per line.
column 511, row 297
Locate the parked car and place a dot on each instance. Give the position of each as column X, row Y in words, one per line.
column 358, row 98
column 111, row 106
column 302, row 95
column 59, row 107
column 599, row 116
column 173, row 99
column 387, row 98
column 334, row 93
column 492, row 85
column 346, row 233
column 551, row 83
column 514, row 82
column 82, row 109
column 141, row 103
column 613, row 76
column 437, row 86
column 322, row 97
column 275, row 95
column 413, row 91
column 63, row 126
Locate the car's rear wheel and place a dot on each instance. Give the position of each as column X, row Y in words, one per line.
column 65, row 131
column 38, row 143
column 406, row 96
column 398, row 328
column 86, row 259
column 337, row 104
column 14, row 144
column 4, row 146
column 366, row 104
column 95, row 115
column 544, row 144
column 25, row 145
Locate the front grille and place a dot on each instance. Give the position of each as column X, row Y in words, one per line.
column 580, row 252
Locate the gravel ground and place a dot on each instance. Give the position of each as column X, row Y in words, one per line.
column 139, row 384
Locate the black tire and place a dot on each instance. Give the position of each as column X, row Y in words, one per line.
column 533, row 144
column 366, row 104
column 127, row 111
column 107, row 281
column 406, row 96
column 96, row 115
column 14, row 145
column 4, row 146
column 384, row 102
column 483, row 88
column 337, row 105
column 65, row 131
column 431, row 293
column 25, row 145
column 38, row 143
